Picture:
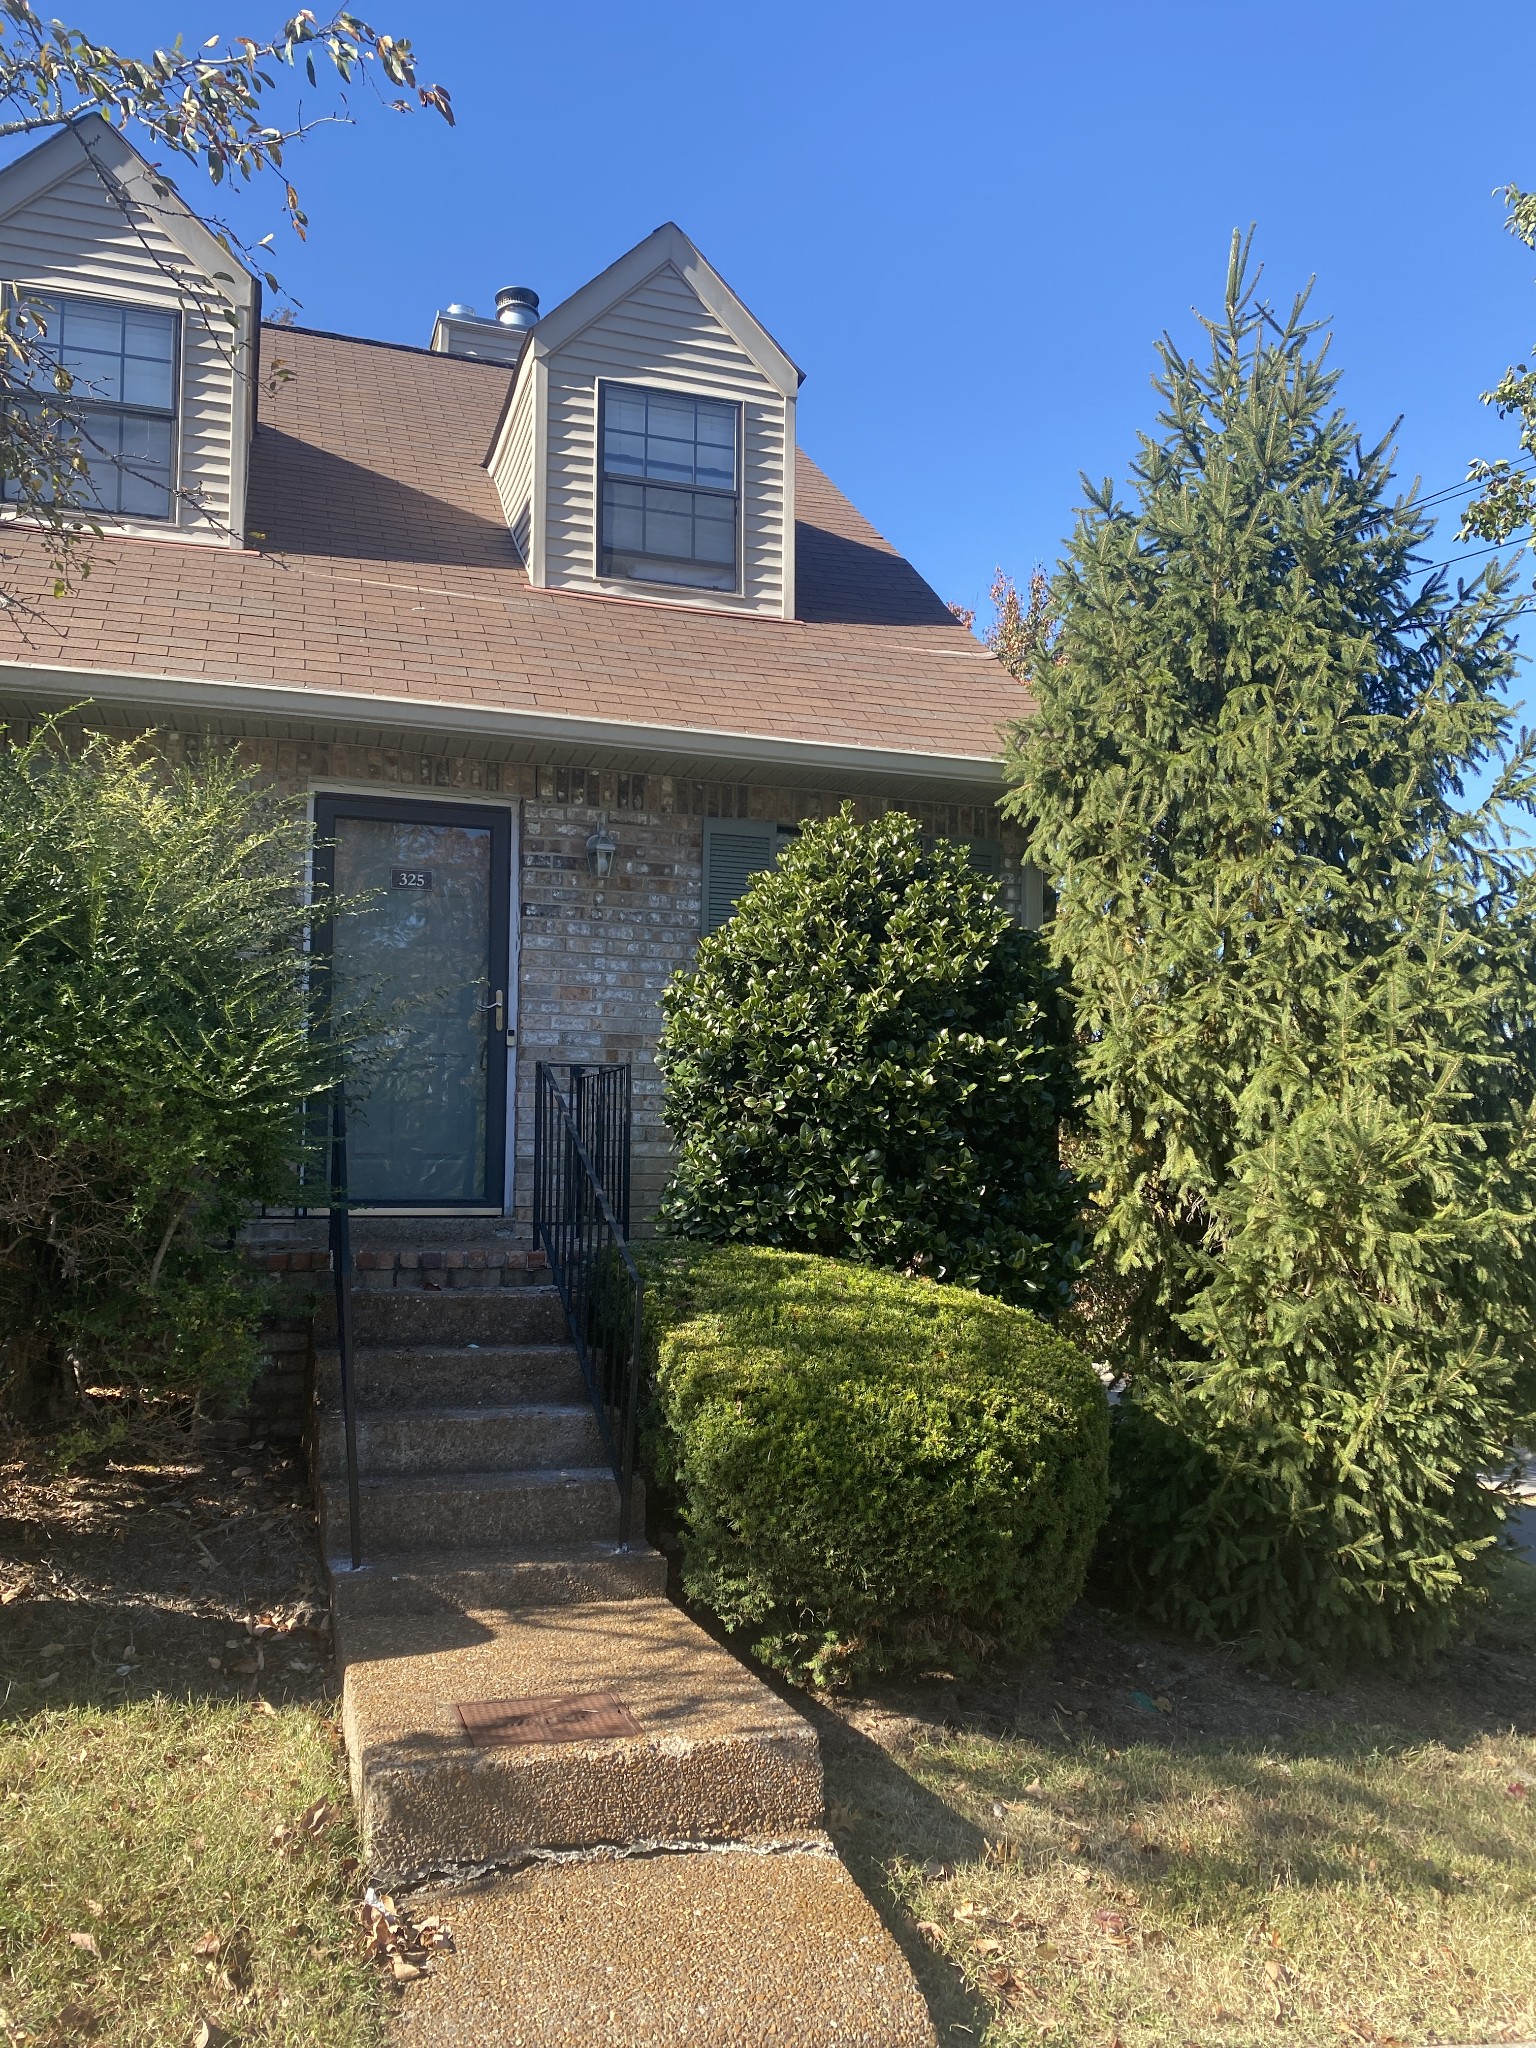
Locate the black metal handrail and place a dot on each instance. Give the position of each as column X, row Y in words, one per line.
column 341, row 1277
column 580, row 1165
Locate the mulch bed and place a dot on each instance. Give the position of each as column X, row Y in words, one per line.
column 157, row 1564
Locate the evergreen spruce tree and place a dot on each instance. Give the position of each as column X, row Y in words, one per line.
column 1301, row 955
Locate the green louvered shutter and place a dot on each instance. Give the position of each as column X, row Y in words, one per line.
column 735, row 849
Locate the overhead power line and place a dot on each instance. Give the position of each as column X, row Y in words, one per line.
column 1471, row 484
column 1472, row 553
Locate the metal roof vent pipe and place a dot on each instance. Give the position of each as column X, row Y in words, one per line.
column 517, row 306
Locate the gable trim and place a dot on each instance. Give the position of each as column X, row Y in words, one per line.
column 92, row 143
column 668, row 245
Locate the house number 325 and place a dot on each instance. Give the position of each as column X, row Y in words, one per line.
column 413, row 878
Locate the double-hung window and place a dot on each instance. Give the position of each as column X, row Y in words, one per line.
column 670, row 469
column 121, row 400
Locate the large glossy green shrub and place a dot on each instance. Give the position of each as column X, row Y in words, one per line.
column 869, row 1471
column 871, row 1060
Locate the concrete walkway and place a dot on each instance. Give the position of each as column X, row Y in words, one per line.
column 754, row 1951
column 667, row 1882
column 675, row 1886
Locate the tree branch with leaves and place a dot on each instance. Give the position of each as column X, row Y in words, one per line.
column 1506, row 502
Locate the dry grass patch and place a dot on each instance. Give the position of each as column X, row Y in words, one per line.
column 1128, row 1840
column 1342, row 1891
column 169, row 1868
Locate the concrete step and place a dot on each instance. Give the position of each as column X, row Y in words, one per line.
column 718, row 1758
column 479, row 1509
column 459, row 1315
column 521, row 1436
column 721, row 1950
column 540, row 1575
column 459, row 1376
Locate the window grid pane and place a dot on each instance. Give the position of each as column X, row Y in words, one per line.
column 662, row 534
column 675, row 522
column 123, row 363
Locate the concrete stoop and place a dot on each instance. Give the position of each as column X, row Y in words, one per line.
column 719, row 1758
column 719, row 1949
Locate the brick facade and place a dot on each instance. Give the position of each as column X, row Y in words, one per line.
column 594, row 959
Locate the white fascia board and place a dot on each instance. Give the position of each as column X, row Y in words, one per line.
column 95, row 141
column 667, row 245
column 201, row 694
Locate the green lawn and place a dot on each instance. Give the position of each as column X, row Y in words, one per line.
column 155, row 1873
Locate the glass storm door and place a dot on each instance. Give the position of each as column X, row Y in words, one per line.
column 424, row 961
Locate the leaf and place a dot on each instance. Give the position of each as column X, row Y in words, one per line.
column 930, row 1930
column 87, row 1942
column 403, row 1971
column 209, row 2034
column 208, row 1944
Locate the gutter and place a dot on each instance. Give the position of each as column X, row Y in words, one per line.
column 201, row 695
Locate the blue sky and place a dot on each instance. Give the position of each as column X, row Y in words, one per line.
column 968, row 224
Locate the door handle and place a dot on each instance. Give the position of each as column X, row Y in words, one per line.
column 498, row 1004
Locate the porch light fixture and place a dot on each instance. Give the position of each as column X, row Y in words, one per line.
column 601, row 848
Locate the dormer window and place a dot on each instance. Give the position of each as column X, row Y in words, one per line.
column 122, row 363
column 670, row 511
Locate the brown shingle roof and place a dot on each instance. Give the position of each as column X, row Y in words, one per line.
column 380, row 563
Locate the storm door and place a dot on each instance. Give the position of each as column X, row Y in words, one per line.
column 423, row 961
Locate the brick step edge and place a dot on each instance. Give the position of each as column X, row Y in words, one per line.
column 403, row 1268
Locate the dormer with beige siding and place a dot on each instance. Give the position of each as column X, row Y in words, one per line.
column 156, row 321
column 647, row 446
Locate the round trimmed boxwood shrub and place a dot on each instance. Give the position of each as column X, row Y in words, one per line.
column 869, row 1472
column 871, row 1060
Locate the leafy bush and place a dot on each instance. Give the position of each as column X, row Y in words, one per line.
column 155, row 1019
column 1300, row 956
column 869, row 1471
column 870, row 1060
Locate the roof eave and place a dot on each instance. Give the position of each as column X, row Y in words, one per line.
column 749, row 756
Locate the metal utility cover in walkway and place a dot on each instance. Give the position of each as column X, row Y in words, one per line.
column 572, row 1717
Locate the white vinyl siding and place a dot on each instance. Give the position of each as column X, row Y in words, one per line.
column 512, row 464
column 73, row 239
column 662, row 335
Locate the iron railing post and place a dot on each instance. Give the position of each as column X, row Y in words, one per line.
column 581, row 1189
column 341, row 1274
column 631, row 1417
